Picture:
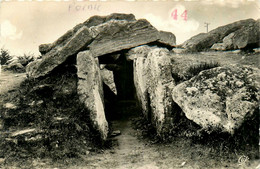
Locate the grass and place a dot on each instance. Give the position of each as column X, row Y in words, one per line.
column 196, row 69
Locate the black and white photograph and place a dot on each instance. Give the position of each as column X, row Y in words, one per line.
column 129, row 84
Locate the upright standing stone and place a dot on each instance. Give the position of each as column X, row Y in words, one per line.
column 90, row 90
column 154, row 83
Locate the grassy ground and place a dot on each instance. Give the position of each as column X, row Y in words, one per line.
column 43, row 121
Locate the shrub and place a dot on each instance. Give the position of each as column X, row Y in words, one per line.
column 196, row 69
column 26, row 59
column 4, row 56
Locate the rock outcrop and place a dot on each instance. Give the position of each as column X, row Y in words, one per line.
column 90, row 90
column 219, row 99
column 153, row 82
column 227, row 43
column 246, row 34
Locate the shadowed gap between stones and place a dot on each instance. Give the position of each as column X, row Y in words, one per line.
column 124, row 103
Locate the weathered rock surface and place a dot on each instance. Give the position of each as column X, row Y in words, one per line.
column 204, row 41
column 219, row 99
column 108, row 79
column 248, row 36
column 103, row 37
column 116, row 35
column 167, row 38
column 60, row 54
column 226, row 45
column 44, row 48
column 90, row 90
column 15, row 66
column 92, row 21
column 153, row 82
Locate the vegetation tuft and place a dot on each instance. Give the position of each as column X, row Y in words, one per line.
column 26, row 59
column 196, row 69
column 4, row 56
column 13, row 63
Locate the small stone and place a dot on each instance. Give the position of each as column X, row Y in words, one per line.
column 32, row 103
column 2, row 160
column 116, row 133
column 10, row 106
column 182, row 164
column 36, row 138
column 39, row 102
column 21, row 132
column 59, row 118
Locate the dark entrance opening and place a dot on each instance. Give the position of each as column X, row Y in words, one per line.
column 124, row 104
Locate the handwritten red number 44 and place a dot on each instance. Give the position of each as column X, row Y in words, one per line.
column 175, row 15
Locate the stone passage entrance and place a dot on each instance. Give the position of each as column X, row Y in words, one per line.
column 118, row 84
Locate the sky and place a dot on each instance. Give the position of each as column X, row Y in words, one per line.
column 27, row 24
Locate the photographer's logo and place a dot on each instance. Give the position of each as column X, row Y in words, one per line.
column 243, row 160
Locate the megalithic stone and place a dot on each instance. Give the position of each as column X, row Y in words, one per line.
column 92, row 21
column 90, row 90
column 116, row 35
column 60, row 54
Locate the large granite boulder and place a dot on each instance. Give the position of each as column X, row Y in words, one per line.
column 219, row 99
column 227, row 43
column 90, row 90
column 248, row 36
column 153, row 82
column 204, row 41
